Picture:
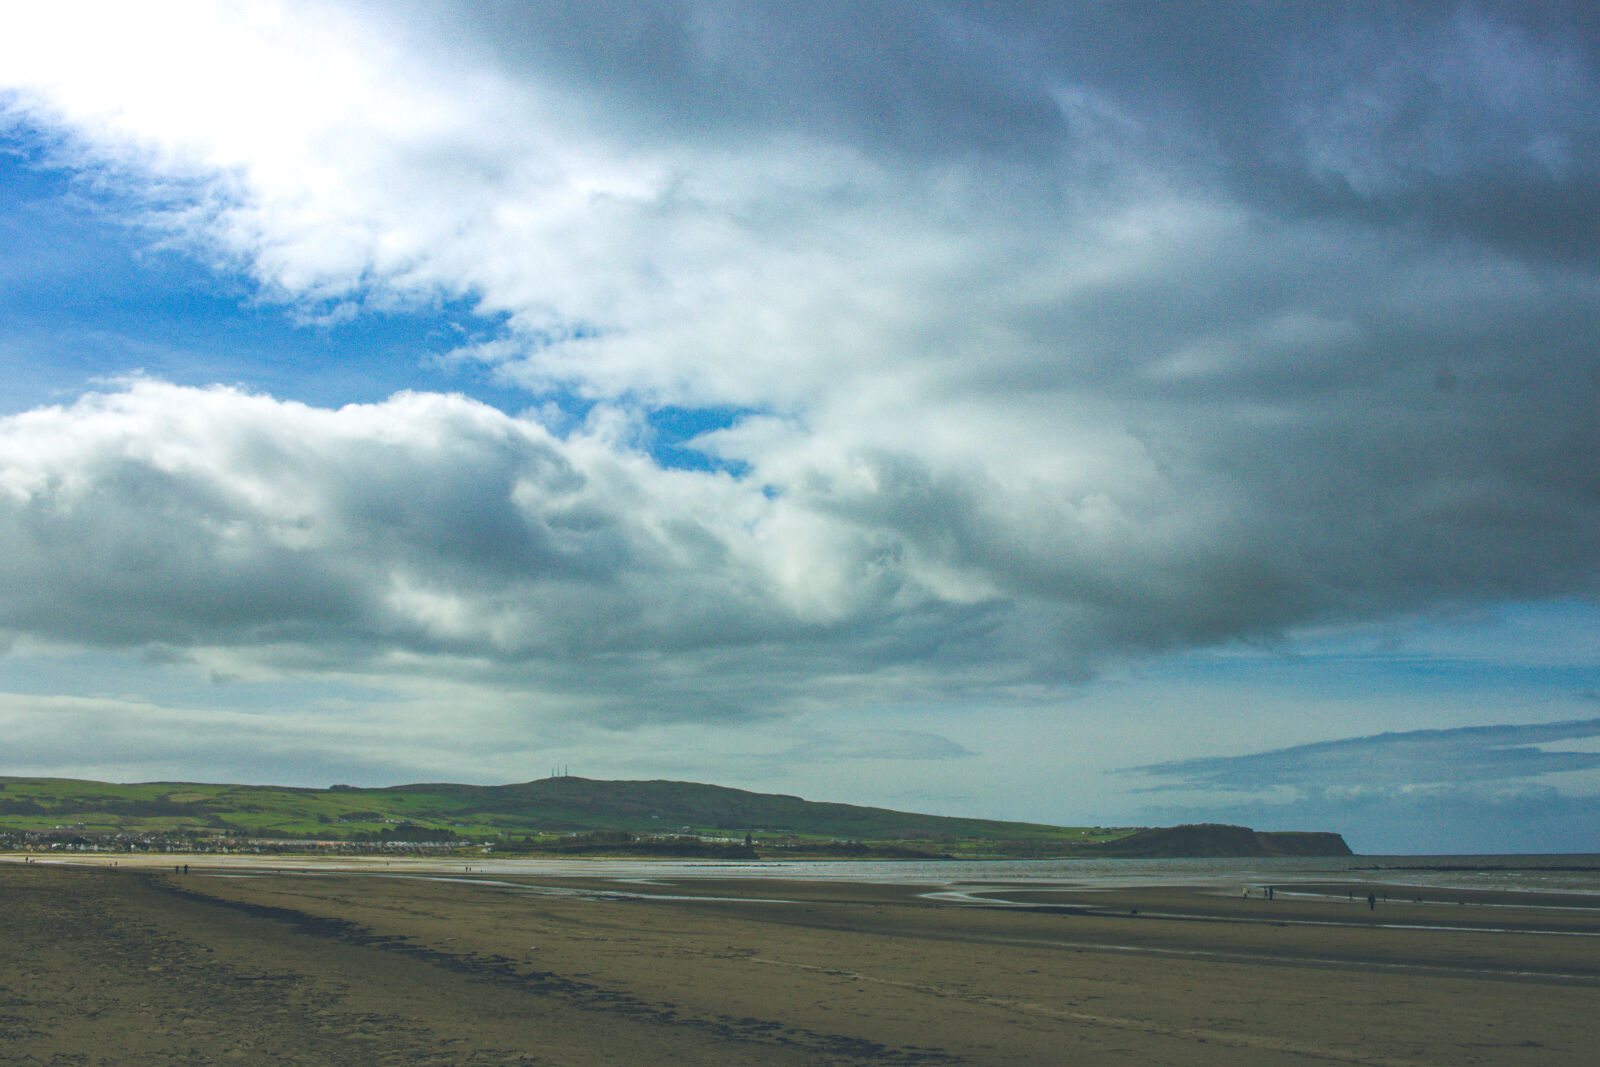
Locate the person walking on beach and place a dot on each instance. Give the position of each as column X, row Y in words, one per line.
column 1372, row 902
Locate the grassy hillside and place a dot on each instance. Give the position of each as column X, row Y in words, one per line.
column 545, row 812
column 565, row 814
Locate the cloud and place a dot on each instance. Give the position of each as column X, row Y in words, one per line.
column 1389, row 761
column 434, row 529
column 1062, row 337
column 428, row 522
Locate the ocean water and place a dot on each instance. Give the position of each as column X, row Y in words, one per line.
column 1549, row 874
column 1568, row 873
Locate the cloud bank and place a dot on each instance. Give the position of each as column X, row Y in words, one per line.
column 1054, row 337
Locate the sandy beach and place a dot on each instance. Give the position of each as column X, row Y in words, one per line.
column 130, row 964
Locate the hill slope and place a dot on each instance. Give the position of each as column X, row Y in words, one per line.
column 545, row 814
column 569, row 803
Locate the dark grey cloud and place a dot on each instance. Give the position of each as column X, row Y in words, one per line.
column 1465, row 119
column 912, row 77
column 1473, row 119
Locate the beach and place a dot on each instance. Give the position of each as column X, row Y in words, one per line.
column 308, row 964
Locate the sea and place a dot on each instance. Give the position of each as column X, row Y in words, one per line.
column 1576, row 873
column 1568, row 873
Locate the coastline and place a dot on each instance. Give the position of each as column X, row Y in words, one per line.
column 1527, row 873
column 310, row 964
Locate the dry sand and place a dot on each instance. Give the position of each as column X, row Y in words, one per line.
column 115, row 966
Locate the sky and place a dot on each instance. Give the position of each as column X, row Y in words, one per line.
column 1096, row 414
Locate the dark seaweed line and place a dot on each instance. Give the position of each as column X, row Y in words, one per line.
column 503, row 971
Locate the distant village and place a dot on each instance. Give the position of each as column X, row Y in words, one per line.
column 409, row 839
column 400, row 839
column 70, row 838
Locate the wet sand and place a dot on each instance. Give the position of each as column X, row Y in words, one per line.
column 131, row 965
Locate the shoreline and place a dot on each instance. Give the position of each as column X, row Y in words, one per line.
column 1255, row 873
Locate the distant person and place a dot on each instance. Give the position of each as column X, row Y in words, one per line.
column 1372, row 902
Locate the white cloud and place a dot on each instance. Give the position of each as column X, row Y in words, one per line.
column 429, row 521
column 434, row 533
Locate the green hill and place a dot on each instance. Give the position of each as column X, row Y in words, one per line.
column 557, row 814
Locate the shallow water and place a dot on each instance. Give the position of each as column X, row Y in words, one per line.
column 1551, row 874
column 1570, row 873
